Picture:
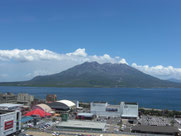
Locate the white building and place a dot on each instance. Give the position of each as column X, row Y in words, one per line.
column 124, row 110
column 10, row 119
column 24, row 98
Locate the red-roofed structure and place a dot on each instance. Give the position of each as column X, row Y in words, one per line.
column 38, row 112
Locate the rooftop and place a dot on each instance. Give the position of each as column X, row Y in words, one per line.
column 85, row 114
column 10, row 105
column 82, row 124
column 4, row 111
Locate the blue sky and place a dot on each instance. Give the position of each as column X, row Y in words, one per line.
column 145, row 32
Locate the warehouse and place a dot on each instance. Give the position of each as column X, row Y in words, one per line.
column 10, row 122
column 82, row 125
column 124, row 110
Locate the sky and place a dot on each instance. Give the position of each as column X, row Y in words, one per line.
column 39, row 37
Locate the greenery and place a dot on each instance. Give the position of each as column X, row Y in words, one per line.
column 154, row 112
column 84, row 105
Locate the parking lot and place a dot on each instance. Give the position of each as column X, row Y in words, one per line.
column 155, row 121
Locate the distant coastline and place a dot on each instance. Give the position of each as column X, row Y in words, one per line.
column 156, row 98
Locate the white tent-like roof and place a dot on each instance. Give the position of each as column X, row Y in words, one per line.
column 45, row 107
column 68, row 103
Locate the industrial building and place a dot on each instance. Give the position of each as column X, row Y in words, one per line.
column 124, row 110
column 10, row 119
column 82, row 125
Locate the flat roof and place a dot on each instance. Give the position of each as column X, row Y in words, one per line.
column 82, row 124
column 10, row 105
column 127, row 115
column 85, row 114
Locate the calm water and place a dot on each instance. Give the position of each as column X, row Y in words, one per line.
column 149, row 98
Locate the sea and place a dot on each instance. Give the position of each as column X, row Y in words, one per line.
column 158, row 98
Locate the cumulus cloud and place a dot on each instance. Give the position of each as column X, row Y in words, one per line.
column 78, row 52
column 26, row 64
column 79, row 55
column 27, row 55
column 160, row 71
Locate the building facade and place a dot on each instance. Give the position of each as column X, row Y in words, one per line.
column 24, row 98
column 8, row 98
column 10, row 119
column 124, row 110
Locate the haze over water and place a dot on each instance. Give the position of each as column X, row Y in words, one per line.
column 149, row 98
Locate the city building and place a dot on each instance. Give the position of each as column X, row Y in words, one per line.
column 24, row 98
column 8, row 98
column 129, row 110
column 10, row 119
column 51, row 98
column 124, row 110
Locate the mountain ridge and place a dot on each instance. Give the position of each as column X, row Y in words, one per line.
column 93, row 74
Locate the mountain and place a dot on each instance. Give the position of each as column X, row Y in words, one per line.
column 175, row 80
column 93, row 74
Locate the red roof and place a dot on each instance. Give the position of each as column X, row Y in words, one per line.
column 38, row 112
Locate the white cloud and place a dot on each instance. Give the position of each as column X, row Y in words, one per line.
column 78, row 52
column 123, row 61
column 160, row 71
column 26, row 64
column 78, row 55
column 27, row 55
